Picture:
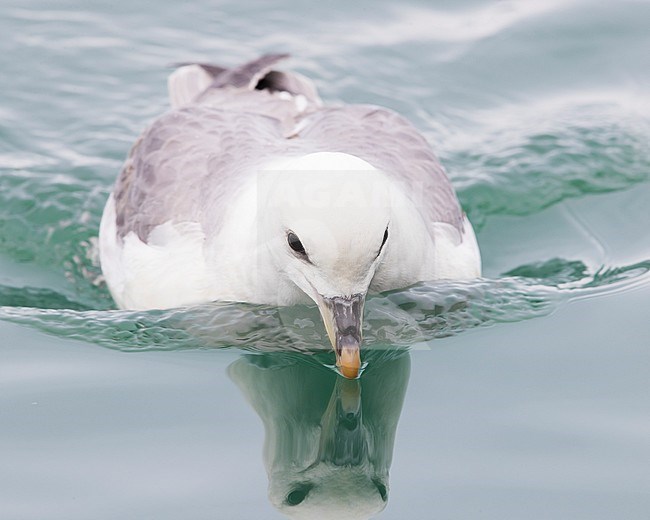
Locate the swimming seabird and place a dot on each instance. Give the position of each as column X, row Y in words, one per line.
column 251, row 190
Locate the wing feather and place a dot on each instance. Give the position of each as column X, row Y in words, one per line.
column 392, row 144
column 186, row 157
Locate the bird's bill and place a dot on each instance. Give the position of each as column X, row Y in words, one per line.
column 343, row 317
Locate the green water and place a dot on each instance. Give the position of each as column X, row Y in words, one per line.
column 522, row 395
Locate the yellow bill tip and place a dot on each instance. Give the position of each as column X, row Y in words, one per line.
column 349, row 363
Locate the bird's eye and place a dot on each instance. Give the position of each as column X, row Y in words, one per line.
column 381, row 488
column 295, row 243
column 299, row 493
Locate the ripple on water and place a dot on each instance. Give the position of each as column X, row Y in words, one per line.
column 519, row 160
column 401, row 318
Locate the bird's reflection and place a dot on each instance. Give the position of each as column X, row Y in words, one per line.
column 328, row 440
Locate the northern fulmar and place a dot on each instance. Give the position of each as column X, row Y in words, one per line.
column 250, row 189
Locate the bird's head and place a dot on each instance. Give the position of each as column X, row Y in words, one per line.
column 329, row 230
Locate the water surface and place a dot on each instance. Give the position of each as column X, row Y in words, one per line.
column 524, row 394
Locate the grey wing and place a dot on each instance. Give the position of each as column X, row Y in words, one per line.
column 392, row 144
column 187, row 165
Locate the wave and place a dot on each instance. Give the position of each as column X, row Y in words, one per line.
column 400, row 318
column 403, row 318
column 522, row 160
column 60, row 214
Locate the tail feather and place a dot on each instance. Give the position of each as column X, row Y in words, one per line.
column 213, row 70
column 187, row 83
column 248, row 74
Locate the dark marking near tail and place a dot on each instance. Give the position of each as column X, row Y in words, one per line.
column 276, row 81
column 249, row 73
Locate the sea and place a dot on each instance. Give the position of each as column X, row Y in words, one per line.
column 524, row 394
